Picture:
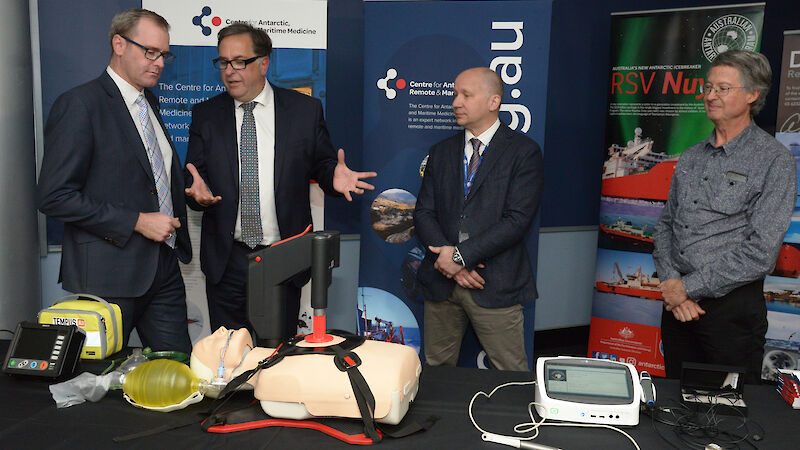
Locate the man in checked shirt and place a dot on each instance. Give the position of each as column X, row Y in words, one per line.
column 729, row 206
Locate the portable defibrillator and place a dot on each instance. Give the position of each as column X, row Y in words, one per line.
column 101, row 320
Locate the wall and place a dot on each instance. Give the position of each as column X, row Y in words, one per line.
column 575, row 130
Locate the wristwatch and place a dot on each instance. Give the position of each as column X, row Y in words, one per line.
column 457, row 257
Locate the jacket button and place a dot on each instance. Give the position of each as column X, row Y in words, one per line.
column 154, row 191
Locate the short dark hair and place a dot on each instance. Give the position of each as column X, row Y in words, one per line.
column 262, row 44
column 754, row 73
column 124, row 22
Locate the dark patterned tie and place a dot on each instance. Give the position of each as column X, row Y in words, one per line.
column 156, row 163
column 474, row 160
column 248, row 188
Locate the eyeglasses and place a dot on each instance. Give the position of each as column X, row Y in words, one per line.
column 238, row 64
column 151, row 54
column 722, row 91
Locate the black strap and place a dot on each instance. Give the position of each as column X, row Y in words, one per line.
column 348, row 362
column 408, row 426
column 161, row 429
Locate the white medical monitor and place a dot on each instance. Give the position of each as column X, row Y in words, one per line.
column 587, row 390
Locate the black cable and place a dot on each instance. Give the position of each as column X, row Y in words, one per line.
column 695, row 429
column 8, row 331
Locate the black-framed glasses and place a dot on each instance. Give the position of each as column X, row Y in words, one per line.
column 238, row 64
column 151, row 54
column 721, row 91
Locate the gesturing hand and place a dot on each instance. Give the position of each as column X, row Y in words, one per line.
column 199, row 190
column 346, row 181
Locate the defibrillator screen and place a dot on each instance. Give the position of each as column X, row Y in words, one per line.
column 35, row 343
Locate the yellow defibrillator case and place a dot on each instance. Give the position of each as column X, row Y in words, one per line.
column 101, row 320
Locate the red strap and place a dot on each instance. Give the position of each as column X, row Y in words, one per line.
column 359, row 439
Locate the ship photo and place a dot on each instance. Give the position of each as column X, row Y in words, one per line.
column 625, row 230
column 636, row 284
column 636, row 171
column 788, row 262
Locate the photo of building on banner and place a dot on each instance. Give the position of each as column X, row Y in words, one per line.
column 298, row 31
column 655, row 112
column 782, row 289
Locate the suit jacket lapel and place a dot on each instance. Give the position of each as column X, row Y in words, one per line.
column 455, row 162
column 491, row 155
column 281, row 131
column 123, row 117
column 228, row 135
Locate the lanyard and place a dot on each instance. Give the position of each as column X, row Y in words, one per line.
column 468, row 181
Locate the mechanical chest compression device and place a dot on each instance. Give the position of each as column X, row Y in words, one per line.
column 587, row 390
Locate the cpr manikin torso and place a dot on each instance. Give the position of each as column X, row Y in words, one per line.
column 310, row 385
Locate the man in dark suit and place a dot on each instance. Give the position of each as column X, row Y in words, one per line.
column 252, row 152
column 111, row 175
column 480, row 193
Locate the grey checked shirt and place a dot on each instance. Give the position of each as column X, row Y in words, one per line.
column 727, row 212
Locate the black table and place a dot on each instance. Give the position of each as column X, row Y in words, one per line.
column 29, row 418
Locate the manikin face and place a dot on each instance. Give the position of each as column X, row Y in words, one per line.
column 243, row 85
column 133, row 67
column 227, row 344
column 735, row 105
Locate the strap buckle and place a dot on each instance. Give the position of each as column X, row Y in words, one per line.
column 346, row 361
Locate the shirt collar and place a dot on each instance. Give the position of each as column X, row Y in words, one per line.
column 484, row 137
column 129, row 93
column 734, row 144
column 264, row 98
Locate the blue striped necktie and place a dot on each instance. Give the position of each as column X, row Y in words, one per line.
column 474, row 160
column 156, row 163
column 248, row 187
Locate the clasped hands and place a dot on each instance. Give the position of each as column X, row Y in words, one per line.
column 678, row 302
column 468, row 279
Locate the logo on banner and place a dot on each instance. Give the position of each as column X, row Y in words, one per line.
column 626, row 333
column 198, row 20
column 383, row 83
column 731, row 32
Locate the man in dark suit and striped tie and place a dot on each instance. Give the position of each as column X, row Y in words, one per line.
column 480, row 193
column 111, row 174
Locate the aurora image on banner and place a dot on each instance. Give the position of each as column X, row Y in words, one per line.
column 657, row 67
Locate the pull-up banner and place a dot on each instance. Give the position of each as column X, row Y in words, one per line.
column 782, row 289
column 658, row 63
column 413, row 53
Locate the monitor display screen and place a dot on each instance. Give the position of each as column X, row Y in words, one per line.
column 35, row 343
column 595, row 382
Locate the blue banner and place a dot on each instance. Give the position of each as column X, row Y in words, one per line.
column 413, row 53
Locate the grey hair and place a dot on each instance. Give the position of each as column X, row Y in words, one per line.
column 755, row 73
column 124, row 22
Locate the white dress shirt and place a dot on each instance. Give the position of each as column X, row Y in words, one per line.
column 129, row 95
column 485, row 138
column 264, row 115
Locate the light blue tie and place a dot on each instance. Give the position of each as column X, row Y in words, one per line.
column 156, row 163
column 248, row 187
